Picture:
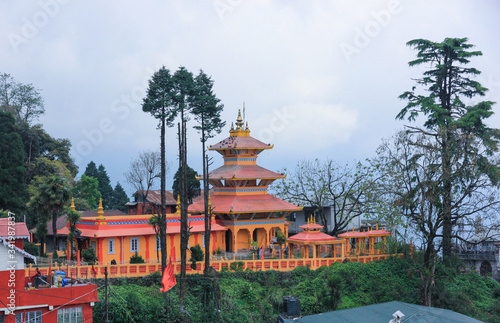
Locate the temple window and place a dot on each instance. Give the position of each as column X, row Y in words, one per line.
column 134, row 244
column 111, row 246
column 158, row 244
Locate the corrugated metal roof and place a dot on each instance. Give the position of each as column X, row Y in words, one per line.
column 382, row 313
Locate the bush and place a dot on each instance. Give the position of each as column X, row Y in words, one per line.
column 89, row 255
column 196, row 255
column 136, row 259
column 236, row 266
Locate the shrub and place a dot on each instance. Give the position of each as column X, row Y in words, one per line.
column 236, row 266
column 136, row 259
column 196, row 255
column 89, row 255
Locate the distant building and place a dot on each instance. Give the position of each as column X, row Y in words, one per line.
column 483, row 258
column 21, row 302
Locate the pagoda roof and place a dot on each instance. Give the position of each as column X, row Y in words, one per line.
column 235, row 142
column 245, row 204
column 311, row 236
column 371, row 233
column 243, row 172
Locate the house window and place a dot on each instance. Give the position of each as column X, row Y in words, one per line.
column 203, row 240
column 34, row 316
column 134, row 244
column 158, row 243
column 111, row 246
column 93, row 245
column 70, row 315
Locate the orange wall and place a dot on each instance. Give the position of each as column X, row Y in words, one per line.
column 147, row 247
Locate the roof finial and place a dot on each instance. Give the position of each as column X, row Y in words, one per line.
column 72, row 206
column 247, row 127
column 239, row 121
column 100, row 211
column 178, row 211
column 232, row 126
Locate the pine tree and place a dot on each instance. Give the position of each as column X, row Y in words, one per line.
column 91, row 170
column 13, row 190
column 120, row 198
column 105, row 187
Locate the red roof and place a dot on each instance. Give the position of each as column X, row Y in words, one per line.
column 154, row 197
column 240, row 142
column 243, row 172
column 20, row 229
column 314, row 236
column 244, row 204
column 136, row 231
column 371, row 233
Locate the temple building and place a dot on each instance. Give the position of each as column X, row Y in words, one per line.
column 116, row 239
column 240, row 199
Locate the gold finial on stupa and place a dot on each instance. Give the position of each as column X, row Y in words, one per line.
column 72, row 206
column 239, row 121
column 246, row 128
column 232, row 126
column 100, row 211
column 178, row 211
column 377, row 226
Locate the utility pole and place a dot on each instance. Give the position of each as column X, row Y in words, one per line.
column 106, row 293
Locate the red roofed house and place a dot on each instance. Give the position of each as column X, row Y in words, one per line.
column 20, row 302
column 240, row 199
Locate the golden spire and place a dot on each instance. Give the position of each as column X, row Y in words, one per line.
column 72, row 206
column 178, row 211
column 232, row 126
column 239, row 121
column 100, row 211
column 377, row 226
column 246, row 128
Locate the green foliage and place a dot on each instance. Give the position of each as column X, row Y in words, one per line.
column 193, row 185
column 89, row 255
column 23, row 101
column 91, row 170
column 120, row 198
column 86, row 188
column 196, row 255
column 136, row 259
column 244, row 296
column 104, row 187
column 236, row 266
column 13, row 190
column 31, row 248
column 280, row 238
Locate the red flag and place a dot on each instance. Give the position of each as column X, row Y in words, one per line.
column 168, row 281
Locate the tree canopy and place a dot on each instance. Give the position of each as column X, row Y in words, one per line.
column 454, row 122
column 13, row 189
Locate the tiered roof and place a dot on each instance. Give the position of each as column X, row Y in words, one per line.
column 240, row 185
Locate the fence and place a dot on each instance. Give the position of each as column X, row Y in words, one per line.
column 139, row 270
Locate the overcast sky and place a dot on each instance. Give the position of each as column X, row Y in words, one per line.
column 320, row 79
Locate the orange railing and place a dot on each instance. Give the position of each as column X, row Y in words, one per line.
column 139, row 270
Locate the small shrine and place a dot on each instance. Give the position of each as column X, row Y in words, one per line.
column 319, row 242
column 370, row 242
